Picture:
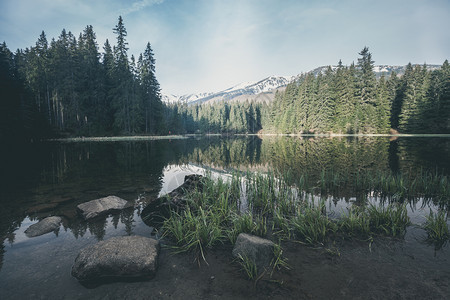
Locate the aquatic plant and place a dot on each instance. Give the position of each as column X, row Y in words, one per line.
column 265, row 204
column 278, row 261
column 355, row 223
column 311, row 225
column 193, row 232
column 436, row 227
column 249, row 267
column 390, row 220
column 246, row 223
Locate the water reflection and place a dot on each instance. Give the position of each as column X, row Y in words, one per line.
column 52, row 179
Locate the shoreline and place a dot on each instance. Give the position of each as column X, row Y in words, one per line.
column 119, row 138
column 186, row 136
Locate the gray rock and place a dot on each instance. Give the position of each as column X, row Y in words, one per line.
column 257, row 249
column 94, row 208
column 44, row 226
column 117, row 257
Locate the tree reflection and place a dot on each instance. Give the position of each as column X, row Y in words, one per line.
column 62, row 175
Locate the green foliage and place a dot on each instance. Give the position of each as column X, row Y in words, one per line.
column 355, row 224
column 311, row 225
column 436, row 227
column 388, row 220
column 73, row 89
column 247, row 223
column 77, row 92
column 193, row 231
column 249, row 267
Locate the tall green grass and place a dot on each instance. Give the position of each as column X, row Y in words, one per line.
column 437, row 229
column 272, row 206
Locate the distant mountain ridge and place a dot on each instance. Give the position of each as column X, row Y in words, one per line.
column 378, row 69
column 265, row 89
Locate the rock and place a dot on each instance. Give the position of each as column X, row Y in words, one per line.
column 44, row 226
column 257, row 249
column 116, row 258
column 94, row 208
column 155, row 212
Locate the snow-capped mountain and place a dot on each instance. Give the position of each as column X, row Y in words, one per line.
column 184, row 98
column 378, row 70
column 248, row 89
column 264, row 90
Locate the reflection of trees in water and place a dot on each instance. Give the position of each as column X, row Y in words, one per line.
column 127, row 218
column 424, row 154
column 311, row 156
column 97, row 227
column 227, row 153
column 300, row 156
column 85, row 171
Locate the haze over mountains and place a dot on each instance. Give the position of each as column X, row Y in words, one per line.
column 265, row 89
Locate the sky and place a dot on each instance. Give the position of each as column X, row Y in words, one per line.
column 211, row 45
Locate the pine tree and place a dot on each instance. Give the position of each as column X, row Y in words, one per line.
column 367, row 91
column 123, row 80
column 151, row 91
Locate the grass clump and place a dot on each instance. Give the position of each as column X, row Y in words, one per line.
column 436, row 228
column 312, row 225
column 388, row 220
column 193, row 232
column 356, row 223
column 246, row 223
column 248, row 266
column 265, row 205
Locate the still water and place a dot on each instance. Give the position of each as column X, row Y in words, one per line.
column 53, row 178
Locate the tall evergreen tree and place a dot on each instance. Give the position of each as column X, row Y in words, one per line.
column 151, row 91
column 123, row 80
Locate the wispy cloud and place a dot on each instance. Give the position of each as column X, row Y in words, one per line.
column 139, row 5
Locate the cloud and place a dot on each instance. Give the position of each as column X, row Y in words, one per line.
column 139, row 5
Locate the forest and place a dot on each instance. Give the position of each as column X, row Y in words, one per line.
column 67, row 87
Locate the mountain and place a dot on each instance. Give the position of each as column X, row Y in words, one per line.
column 379, row 69
column 242, row 91
column 265, row 89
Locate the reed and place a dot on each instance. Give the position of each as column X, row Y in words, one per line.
column 311, row 225
column 275, row 207
column 355, row 223
column 249, row 267
column 436, row 227
column 388, row 220
column 193, row 232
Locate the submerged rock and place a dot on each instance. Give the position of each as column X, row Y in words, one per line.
column 257, row 249
column 94, row 208
column 155, row 212
column 118, row 257
column 44, row 226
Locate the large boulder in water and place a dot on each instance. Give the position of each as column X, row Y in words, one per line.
column 117, row 258
column 44, row 226
column 155, row 212
column 259, row 250
column 97, row 207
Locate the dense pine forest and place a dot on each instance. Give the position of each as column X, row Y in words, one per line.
column 346, row 99
column 66, row 87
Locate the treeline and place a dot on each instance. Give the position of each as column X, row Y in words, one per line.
column 351, row 100
column 345, row 99
column 68, row 86
column 220, row 117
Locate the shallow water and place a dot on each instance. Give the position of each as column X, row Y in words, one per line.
column 52, row 179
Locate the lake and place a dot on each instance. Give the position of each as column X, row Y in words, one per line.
column 53, row 178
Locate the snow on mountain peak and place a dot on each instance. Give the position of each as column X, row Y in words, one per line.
column 246, row 88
